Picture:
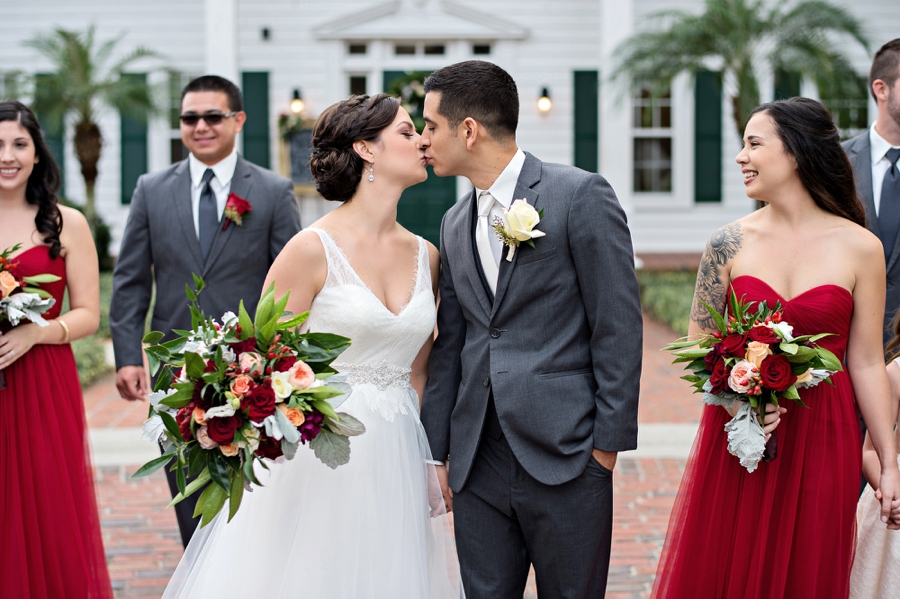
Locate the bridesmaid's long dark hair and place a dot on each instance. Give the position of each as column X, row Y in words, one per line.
column 44, row 182
column 809, row 134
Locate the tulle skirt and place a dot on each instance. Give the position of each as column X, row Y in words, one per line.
column 785, row 530
column 362, row 531
column 50, row 540
column 876, row 569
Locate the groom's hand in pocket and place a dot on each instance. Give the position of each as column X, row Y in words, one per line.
column 607, row 459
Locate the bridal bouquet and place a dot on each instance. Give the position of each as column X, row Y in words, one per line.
column 233, row 393
column 20, row 299
column 753, row 358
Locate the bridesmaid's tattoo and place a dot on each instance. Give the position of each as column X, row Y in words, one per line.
column 722, row 247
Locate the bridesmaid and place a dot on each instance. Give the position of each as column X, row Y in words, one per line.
column 50, row 542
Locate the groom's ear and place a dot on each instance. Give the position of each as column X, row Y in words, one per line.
column 470, row 131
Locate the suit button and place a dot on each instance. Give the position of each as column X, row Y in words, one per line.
column 495, row 333
column 487, row 382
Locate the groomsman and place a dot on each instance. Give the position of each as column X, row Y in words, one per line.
column 176, row 228
column 874, row 156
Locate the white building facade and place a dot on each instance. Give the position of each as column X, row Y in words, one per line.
column 670, row 159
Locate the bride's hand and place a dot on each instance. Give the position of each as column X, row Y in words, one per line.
column 769, row 423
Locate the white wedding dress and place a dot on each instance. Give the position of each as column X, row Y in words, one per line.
column 362, row 531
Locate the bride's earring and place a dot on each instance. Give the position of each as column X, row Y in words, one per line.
column 371, row 172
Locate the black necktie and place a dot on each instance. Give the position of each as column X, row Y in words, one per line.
column 889, row 208
column 209, row 215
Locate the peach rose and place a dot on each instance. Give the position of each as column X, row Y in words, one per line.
column 199, row 415
column 805, row 377
column 240, row 384
column 756, row 352
column 229, row 450
column 294, row 415
column 7, row 283
column 301, row 375
column 251, row 362
column 202, row 436
column 742, row 376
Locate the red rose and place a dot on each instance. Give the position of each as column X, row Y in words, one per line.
column 210, row 366
column 776, row 373
column 235, row 209
column 733, row 345
column 719, row 377
column 244, row 346
column 259, row 402
column 269, row 448
column 284, row 364
column 763, row 334
column 183, row 419
column 221, row 429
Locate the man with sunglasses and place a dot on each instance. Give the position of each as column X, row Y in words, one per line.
column 175, row 229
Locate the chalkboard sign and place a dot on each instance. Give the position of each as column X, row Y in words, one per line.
column 301, row 148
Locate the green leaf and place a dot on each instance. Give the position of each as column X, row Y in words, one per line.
column 720, row 322
column 245, row 323
column 171, row 426
column 829, row 360
column 190, row 294
column 294, row 322
column 213, row 504
column 681, row 344
column 38, row 279
column 218, row 469
column 264, row 308
column 153, row 337
column 692, row 378
column 153, row 465
column 325, row 408
column 194, row 365
column 248, row 467
column 199, row 284
column 179, row 399
column 237, row 493
column 791, row 393
column 164, row 380
column 347, row 425
column 804, row 354
column 180, row 478
column 192, row 487
column 196, row 460
column 40, row 292
column 789, row 348
column 693, row 354
column 333, row 450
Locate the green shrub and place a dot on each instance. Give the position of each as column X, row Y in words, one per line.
column 667, row 295
column 90, row 358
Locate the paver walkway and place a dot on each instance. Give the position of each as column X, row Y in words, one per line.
column 141, row 536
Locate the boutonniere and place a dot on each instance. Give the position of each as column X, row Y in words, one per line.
column 235, row 209
column 518, row 225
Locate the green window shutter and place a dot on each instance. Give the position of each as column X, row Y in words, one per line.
column 587, row 120
column 708, row 137
column 787, row 84
column 256, row 129
column 54, row 131
column 133, row 148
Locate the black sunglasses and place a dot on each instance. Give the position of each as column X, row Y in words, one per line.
column 212, row 118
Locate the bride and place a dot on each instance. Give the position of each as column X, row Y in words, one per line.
column 375, row 527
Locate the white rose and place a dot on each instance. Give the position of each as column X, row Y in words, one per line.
column 786, row 330
column 521, row 220
column 252, row 436
column 228, row 354
column 281, row 385
column 229, row 319
column 223, row 411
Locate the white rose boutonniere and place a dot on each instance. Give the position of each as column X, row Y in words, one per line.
column 518, row 225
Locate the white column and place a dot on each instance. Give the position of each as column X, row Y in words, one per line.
column 220, row 18
column 616, row 25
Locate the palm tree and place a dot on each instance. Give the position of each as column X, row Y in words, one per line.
column 740, row 35
column 81, row 85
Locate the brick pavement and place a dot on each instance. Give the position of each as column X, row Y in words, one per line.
column 143, row 546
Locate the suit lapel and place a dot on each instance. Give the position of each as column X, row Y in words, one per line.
column 530, row 176
column 860, row 155
column 181, row 204
column 471, row 261
column 241, row 184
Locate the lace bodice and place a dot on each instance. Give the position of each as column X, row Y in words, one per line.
column 345, row 306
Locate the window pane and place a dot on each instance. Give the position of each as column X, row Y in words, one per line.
column 357, row 49
column 177, row 150
column 653, row 164
column 435, row 50
column 357, row 85
column 404, row 50
column 665, row 117
column 481, row 49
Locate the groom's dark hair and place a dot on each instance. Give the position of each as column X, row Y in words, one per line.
column 884, row 65
column 214, row 83
column 477, row 89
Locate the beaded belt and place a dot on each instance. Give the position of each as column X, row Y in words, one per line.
column 381, row 375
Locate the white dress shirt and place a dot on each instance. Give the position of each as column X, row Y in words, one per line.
column 880, row 164
column 503, row 189
column 220, row 184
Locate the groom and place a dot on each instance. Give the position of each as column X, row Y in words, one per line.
column 534, row 375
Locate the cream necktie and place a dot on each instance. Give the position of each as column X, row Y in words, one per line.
column 483, row 239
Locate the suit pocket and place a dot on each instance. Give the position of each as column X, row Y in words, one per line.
column 564, row 373
column 530, row 255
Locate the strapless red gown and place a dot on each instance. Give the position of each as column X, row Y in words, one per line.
column 787, row 529
column 50, row 541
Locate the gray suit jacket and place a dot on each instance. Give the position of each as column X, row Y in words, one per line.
column 859, row 150
column 560, row 344
column 160, row 240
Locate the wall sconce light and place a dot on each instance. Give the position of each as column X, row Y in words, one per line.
column 544, row 104
column 297, row 104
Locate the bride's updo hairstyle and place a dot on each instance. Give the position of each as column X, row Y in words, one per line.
column 334, row 164
column 809, row 134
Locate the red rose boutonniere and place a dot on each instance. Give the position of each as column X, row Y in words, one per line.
column 235, row 209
